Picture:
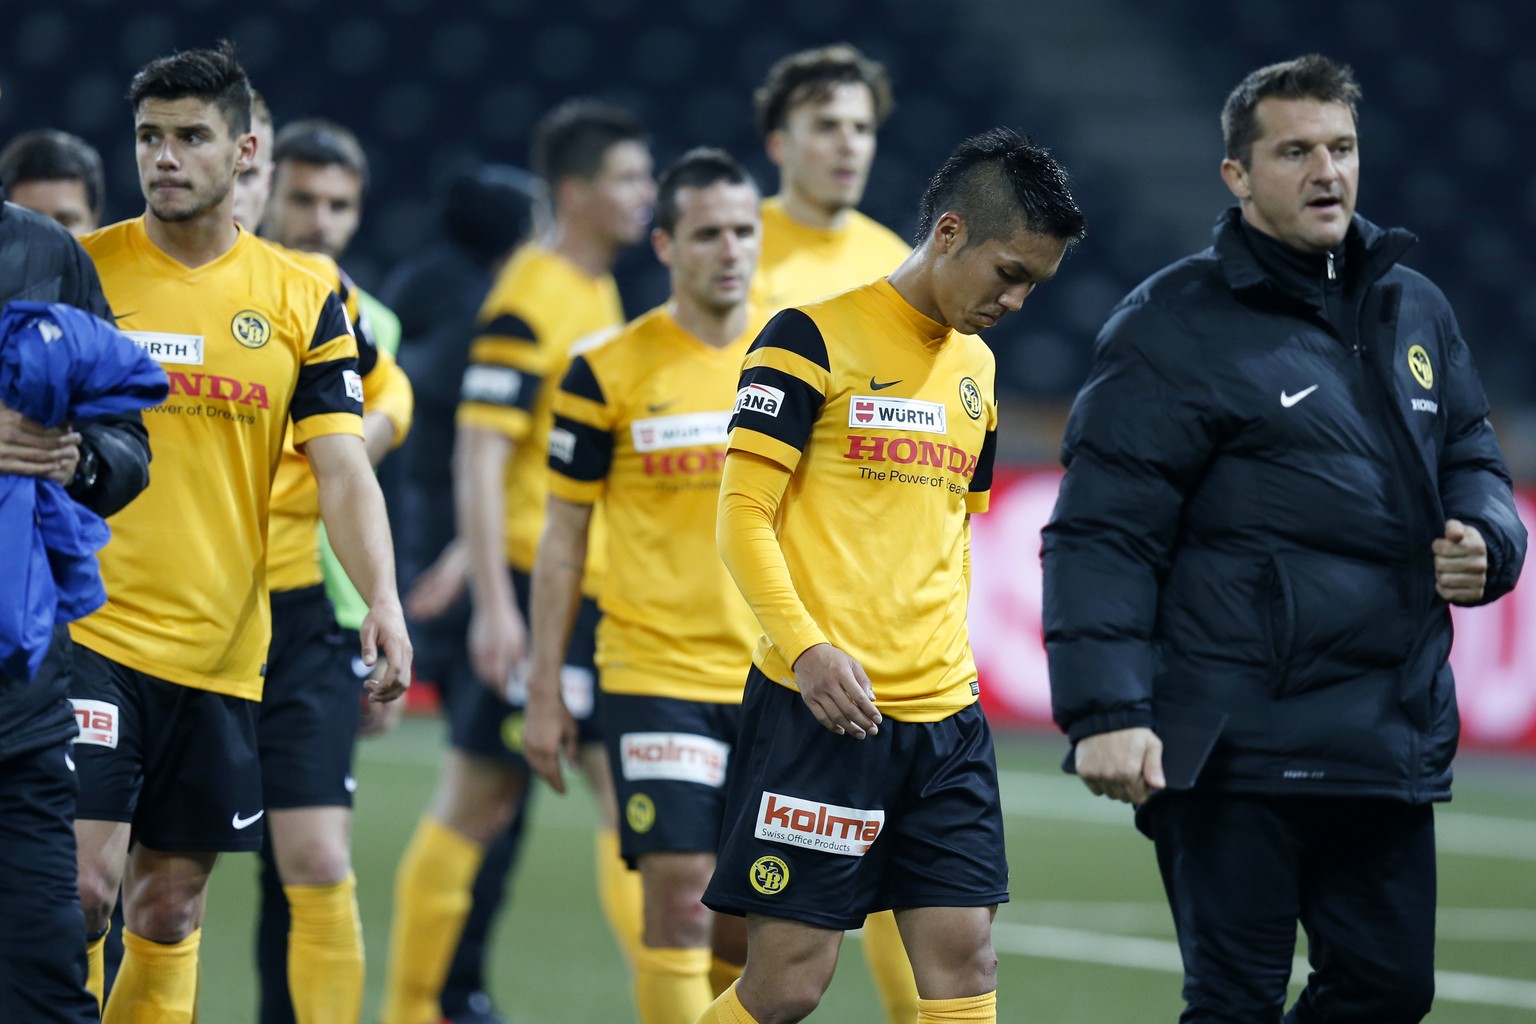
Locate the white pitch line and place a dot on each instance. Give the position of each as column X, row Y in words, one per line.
column 1161, row 955
column 1035, row 795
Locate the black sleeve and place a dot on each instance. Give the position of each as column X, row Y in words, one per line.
column 119, row 446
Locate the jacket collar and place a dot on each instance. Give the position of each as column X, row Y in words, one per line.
column 1371, row 252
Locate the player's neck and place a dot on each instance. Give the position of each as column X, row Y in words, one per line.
column 913, row 281
column 587, row 249
column 196, row 242
column 714, row 328
column 804, row 210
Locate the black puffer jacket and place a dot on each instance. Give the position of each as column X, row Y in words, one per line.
column 40, row 262
column 1256, row 470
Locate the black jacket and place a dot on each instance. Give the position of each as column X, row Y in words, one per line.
column 40, row 262
column 1256, row 470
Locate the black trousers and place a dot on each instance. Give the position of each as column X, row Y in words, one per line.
column 42, row 930
column 1359, row 876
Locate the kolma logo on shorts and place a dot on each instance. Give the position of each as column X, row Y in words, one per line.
column 811, row 824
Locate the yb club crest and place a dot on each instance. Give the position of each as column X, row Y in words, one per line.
column 1419, row 365
column 250, row 328
column 769, row 875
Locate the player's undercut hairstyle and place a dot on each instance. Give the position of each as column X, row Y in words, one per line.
column 213, row 76
column 1000, row 182
column 571, row 140
column 260, row 112
column 322, row 143
column 50, row 155
column 1312, row 77
column 809, row 76
column 700, row 167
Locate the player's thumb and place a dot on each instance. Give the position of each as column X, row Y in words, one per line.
column 1455, row 530
column 1152, row 764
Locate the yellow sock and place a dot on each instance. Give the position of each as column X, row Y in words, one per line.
column 946, row 1011
column 157, row 983
column 722, row 974
column 325, row 953
column 619, row 890
column 96, row 965
column 671, row 985
column 890, row 968
column 727, row 1009
column 432, row 899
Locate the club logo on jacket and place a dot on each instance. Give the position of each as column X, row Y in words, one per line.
column 250, row 328
column 1419, row 365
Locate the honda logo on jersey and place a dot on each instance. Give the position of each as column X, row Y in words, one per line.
column 97, row 720
column 817, row 826
column 681, row 756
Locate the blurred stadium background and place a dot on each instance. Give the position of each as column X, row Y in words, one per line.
column 1127, row 95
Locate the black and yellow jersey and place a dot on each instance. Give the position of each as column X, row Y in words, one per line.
column 249, row 341
column 293, row 531
column 540, row 306
column 801, row 263
column 886, row 421
column 640, row 423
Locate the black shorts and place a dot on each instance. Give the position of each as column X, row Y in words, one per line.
column 488, row 726
column 306, row 728
column 826, row 829
column 669, row 761
column 177, row 762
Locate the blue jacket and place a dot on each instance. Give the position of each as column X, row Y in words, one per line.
column 57, row 364
column 1240, row 554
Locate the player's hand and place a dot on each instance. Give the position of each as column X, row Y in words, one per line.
column 838, row 692
column 386, row 648
column 498, row 645
column 1125, row 765
column 549, row 731
column 28, row 448
column 1461, row 563
column 440, row 585
column 378, row 719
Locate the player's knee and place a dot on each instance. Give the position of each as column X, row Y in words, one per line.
column 323, row 860
column 166, row 917
column 98, row 896
column 786, row 997
column 677, row 920
column 1397, row 996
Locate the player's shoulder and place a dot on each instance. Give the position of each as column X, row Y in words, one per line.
column 316, row 264
column 110, row 240
column 871, row 233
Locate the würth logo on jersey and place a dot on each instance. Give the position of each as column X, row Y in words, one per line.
column 906, row 451
column 817, row 826
column 211, row 385
column 170, row 348
column 98, row 722
column 684, row 757
column 896, row 414
column 759, row 398
column 685, row 430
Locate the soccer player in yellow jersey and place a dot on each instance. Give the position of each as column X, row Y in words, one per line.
column 862, row 441
column 819, row 111
column 551, row 295
column 640, row 425
column 170, row 669
column 309, row 940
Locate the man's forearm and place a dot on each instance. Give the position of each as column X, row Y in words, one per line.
column 480, row 460
column 556, row 593
column 378, row 436
column 352, row 508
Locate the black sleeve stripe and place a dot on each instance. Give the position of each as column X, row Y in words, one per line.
column 332, row 323
column 580, row 450
column 490, row 384
column 367, row 346
column 582, row 382
column 509, row 325
column 794, row 331
column 789, row 419
column 323, row 389
column 982, row 479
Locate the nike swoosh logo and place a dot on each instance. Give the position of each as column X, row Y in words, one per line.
column 662, row 407
column 124, row 316
column 882, row 387
column 239, row 822
column 1290, row 400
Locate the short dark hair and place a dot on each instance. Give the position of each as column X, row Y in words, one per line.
column 809, row 75
column 700, row 167
column 571, row 140
column 1312, row 77
column 50, row 155
column 213, row 76
column 998, row 182
column 323, row 143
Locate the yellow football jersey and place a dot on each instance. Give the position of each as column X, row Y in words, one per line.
column 887, row 421
column 801, row 263
column 249, row 341
column 293, row 531
column 541, row 305
column 640, row 423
